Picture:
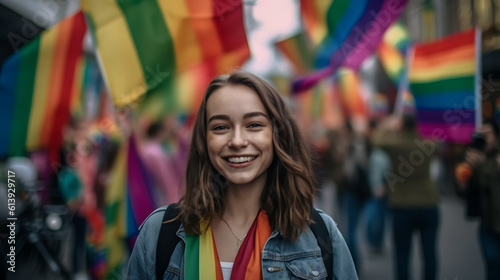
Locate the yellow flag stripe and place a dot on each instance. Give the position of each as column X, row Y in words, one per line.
column 124, row 76
column 458, row 69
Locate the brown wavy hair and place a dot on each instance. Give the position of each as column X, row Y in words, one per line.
column 290, row 188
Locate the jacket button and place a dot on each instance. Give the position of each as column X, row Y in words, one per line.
column 315, row 273
column 274, row 269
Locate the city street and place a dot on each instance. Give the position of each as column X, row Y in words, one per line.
column 459, row 255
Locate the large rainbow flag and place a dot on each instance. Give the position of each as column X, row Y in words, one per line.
column 443, row 78
column 354, row 30
column 142, row 43
column 39, row 86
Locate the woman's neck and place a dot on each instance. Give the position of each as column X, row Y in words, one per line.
column 242, row 202
column 241, row 206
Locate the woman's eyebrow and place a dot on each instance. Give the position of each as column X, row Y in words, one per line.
column 254, row 114
column 218, row 117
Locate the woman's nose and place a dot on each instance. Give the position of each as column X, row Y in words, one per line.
column 238, row 139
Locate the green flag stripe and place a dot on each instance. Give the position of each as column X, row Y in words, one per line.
column 335, row 13
column 453, row 84
column 152, row 39
column 24, row 96
column 192, row 257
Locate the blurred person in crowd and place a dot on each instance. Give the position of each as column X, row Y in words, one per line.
column 166, row 166
column 413, row 196
column 376, row 207
column 108, row 151
column 348, row 169
column 76, row 179
column 249, row 196
column 48, row 191
column 72, row 188
column 478, row 178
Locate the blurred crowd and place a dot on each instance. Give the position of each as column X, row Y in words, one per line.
column 384, row 175
column 388, row 173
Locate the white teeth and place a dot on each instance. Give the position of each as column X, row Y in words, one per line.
column 240, row 159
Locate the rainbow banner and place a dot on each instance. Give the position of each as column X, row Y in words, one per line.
column 129, row 201
column 313, row 15
column 443, row 77
column 392, row 61
column 354, row 31
column 143, row 43
column 39, row 86
column 186, row 90
column 349, row 87
column 398, row 37
column 392, row 50
column 299, row 50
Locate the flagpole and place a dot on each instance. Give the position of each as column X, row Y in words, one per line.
column 404, row 84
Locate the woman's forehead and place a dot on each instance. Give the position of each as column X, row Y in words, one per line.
column 234, row 99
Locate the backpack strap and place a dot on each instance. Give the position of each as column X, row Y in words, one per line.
column 167, row 239
column 324, row 241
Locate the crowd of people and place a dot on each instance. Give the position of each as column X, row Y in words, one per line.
column 402, row 189
column 382, row 176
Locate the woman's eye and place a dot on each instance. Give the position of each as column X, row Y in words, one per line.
column 254, row 125
column 219, row 127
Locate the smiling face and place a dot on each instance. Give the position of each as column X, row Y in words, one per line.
column 239, row 135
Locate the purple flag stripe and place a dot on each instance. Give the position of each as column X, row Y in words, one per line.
column 446, row 116
column 454, row 132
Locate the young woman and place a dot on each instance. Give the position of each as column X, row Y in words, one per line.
column 249, row 195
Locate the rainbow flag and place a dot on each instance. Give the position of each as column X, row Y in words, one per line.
column 349, row 86
column 355, row 28
column 392, row 61
column 38, row 87
column 299, row 50
column 192, row 83
column 398, row 37
column 392, row 50
column 129, row 200
column 379, row 105
column 142, row 43
column 443, row 76
column 314, row 19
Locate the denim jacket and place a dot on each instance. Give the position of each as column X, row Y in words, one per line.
column 281, row 259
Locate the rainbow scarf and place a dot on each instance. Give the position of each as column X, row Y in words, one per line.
column 201, row 253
